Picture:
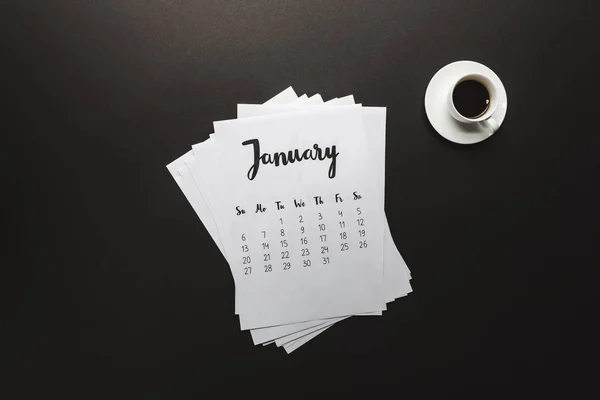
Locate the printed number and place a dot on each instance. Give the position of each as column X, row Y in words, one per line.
column 341, row 214
column 284, row 243
column 246, row 260
column 325, row 260
column 286, row 266
column 264, row 234
column 247, row 270
column 267, row 257
column 285, row 254
column 245, row 248
column 243, row 237
column 360, row 221
column 324, row 249
column 320, row 216
column 268, row 268
column 342, row 224
column 323, row 238
column 301, row 229
column 305, row 252
column 361, row 233
column 265, row 246
column 306, row 263
column 345, row 246
column 343, row 235
column 362, row 244
column 300, row 220
column 303, row 240
column 282, row 232
column 358, row 212
column 281, row 220
column 321, row 227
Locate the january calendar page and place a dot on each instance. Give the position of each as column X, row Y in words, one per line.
column 296, row 204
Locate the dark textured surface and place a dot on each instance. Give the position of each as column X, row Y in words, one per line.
column 114, row 288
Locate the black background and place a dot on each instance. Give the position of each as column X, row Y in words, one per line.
column 114, row 288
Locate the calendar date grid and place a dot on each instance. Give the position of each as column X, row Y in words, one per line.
column 295, row 235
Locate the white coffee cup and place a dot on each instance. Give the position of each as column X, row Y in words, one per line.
column 487, row 116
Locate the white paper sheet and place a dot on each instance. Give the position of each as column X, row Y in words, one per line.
column 285, row 333
column 325, row 292
column 285, row 97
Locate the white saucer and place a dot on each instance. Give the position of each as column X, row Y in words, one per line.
column 436, row 105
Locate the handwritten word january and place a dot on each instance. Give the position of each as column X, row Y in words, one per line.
column 283, row 158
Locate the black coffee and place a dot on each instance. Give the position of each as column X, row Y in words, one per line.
column 471, row 98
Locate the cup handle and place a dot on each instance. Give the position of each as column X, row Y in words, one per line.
column 492, row 124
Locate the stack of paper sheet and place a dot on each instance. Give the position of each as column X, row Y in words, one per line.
column 292, row 193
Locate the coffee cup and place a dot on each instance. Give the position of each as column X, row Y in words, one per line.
column 473, row 98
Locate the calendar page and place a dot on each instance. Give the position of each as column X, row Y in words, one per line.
column 395, row 269
column 375, row 127
column 299, row 216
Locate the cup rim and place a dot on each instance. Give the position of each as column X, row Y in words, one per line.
column 489, row 85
